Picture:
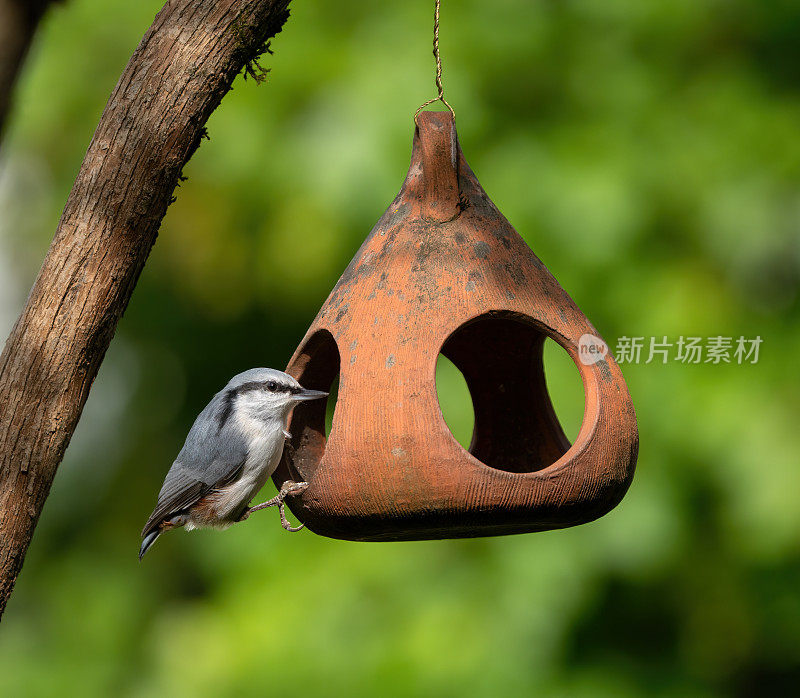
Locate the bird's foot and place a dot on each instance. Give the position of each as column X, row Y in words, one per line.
column 288, row 488
column 287, row 435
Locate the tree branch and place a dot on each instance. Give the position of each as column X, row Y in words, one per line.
column 152, row 124
column 18, row 22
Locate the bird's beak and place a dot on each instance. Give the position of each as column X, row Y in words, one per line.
column 310, row 395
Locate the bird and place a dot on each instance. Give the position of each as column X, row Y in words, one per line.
column 233, row 447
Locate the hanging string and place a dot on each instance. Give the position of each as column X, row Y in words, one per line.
column 439, row 86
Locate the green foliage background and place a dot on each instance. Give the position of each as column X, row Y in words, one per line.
column 647, row 151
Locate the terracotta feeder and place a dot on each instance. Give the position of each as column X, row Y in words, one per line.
column 444, row 271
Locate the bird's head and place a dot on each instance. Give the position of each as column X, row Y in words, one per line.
column 265, row 394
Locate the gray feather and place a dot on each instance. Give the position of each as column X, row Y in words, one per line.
column 210, row 458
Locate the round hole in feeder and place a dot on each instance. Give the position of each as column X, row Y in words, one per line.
column 333, row 396
column 316, row 366
column 455, row 401
column 565, row 388
column 501, row 358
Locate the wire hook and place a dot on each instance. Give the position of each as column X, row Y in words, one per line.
column 439, row 86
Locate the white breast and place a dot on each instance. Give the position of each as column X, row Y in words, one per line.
column 264, row 454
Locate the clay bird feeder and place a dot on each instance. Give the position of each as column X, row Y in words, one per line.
column 444, row 271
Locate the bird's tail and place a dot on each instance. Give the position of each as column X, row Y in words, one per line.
column 149, row 539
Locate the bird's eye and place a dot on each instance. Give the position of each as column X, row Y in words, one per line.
column 272, row 386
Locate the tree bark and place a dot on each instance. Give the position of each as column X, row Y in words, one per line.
column 152, row 124
column 18, row 22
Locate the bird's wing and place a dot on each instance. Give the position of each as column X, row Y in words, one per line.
column 180, row 491
column 184, row 487
column 212, row 457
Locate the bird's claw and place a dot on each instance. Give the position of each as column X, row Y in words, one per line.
column 285, row 522
column 292, row 488
column 287, row 435
column 288, row 488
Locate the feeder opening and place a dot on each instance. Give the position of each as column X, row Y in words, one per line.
column 316, row 367
column 565, row 388
column 516, row 428
column 455, row 401
column 333, row 396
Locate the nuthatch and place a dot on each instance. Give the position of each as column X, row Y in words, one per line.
column 232, row 448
